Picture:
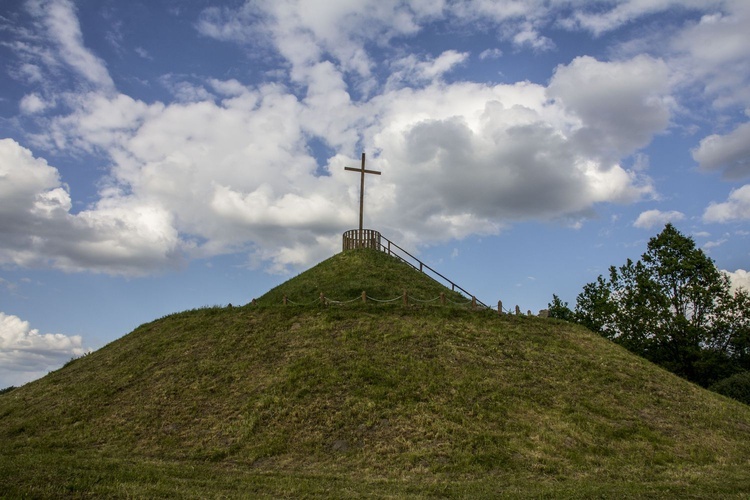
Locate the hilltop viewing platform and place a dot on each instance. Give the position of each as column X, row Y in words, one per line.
column 362, row 238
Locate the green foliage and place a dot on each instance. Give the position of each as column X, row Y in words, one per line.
column 367, row 401
column 560, row 310
column 737, row 387
column 673, row 307
column 8, row 389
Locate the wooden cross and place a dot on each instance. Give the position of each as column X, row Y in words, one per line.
column 362, row 171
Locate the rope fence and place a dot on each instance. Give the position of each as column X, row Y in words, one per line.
column 407, row 299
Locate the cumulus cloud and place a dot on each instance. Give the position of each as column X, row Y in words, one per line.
column 228, row 167
column 736, row 208
column 621, row 104
column 730, row 152
column 651, row 218
column 739, row 279
column 486, row 155
column 234, row 173
column 205, row 178
column 117, row 235
column 26, row 354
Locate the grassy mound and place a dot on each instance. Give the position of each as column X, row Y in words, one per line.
column 379, row 400
column 345, row 276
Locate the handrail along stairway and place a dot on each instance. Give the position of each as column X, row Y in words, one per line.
column 369, row 238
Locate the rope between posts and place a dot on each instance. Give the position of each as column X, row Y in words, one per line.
column 407, row 298
column 424, row 301
column 299, row 304
column 342, row 302
column 383, row 301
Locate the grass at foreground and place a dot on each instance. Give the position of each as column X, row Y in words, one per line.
column 363, row 401
column 367, row 400
column 77, row 475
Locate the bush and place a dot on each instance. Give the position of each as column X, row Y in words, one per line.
column 560, row 310
column 7, row 389
column 736, row 387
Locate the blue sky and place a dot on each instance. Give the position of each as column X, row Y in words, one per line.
column 162, row 155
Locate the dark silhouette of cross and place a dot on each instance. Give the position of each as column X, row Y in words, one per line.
column 362, row 172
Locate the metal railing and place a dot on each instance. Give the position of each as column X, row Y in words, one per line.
column 369, row 238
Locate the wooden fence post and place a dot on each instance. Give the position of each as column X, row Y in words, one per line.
column 442, row 298
column 518, row 310
column 284, row 300
column 406, row 298
column 364, row 297
column 473, row 302
column 500, row 307
column 322, row 299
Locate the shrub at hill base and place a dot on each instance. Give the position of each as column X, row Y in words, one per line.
column 737, row 387
column 674, row 307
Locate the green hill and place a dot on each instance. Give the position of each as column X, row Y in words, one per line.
column 345, row 276
column 369, row 399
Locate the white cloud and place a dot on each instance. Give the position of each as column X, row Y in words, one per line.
column 303, row 31
column 26, row 354
column 230, row 88
column 411, row 70
column 98, row 122
column 621, row 104
column 209, row 178
column 206, row 177
column 715, row 52
column 528, row 36
column 490, row 54
column 651, row 218
column 61, row 26
column 739, row 279
column 730, row 153
column 228, row 169
column 736, row 208
column 32, row 103
column 602, row 18
column 488, row 155
column 143, row 53
column 119, row 235
column 185, row 91
column 714, row 244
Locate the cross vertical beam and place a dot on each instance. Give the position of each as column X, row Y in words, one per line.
column 362, row 172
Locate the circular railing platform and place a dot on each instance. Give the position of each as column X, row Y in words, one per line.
column 364, row 238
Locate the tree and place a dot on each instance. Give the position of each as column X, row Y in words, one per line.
column 560, row 310
column 737, row 386
column 673, row 307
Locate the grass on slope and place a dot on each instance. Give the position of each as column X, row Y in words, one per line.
column 345, row 276
column 367, row 400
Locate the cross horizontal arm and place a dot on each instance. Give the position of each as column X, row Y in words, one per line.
column 362, row 170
